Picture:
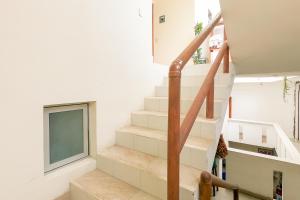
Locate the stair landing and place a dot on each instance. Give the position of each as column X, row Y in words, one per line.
column 98, row 185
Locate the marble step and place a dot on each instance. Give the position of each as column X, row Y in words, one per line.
column 98, row 185
column 197, row 152
column 202, row 69
column 205, row 128
column 146, row 172
column 189, row 92
column 160, row 104
column 197, row 80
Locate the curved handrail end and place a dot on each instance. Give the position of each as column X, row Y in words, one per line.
column 206, row 177
column 175, row 68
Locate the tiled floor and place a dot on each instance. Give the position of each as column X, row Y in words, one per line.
column 221, row 195
column 99, row 185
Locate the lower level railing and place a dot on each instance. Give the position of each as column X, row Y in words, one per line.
column 208, row 180
column 262, row 134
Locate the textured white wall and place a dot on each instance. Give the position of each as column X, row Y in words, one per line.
column 63, row 51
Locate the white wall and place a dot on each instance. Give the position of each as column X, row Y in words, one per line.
column 63, row 51
column 264, row 102
column 173, row 36
column 201, row 10
column 242, row 169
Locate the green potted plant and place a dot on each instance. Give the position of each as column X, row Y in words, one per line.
column 197, row 59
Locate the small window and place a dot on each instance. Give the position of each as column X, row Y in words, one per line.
column 65, row 135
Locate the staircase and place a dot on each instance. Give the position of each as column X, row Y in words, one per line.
column 136, row 166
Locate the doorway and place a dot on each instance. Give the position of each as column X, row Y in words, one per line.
column 277, row 185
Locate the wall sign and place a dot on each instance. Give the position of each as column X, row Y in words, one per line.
column 162, row 19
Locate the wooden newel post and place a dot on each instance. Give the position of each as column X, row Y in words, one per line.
column 210, row 102
column 174, row 131
column 235, row 194
column 205, row 186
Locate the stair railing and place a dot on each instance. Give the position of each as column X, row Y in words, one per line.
column 178, row 134
column 208, row 180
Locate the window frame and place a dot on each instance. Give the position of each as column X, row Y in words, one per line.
column 55, row 109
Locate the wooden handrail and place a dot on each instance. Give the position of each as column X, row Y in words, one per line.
column 177, row 134
column 208, row 180
column 179, row 63
column 192, row 114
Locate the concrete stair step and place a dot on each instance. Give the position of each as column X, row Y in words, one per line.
column 146, row 172
column 189, row 92
column 205, row 128
column 98, row 185
column 197, row 152
column 197, row 80
column 202, row 69
column 160, row 104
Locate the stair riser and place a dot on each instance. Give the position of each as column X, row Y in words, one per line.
column 205, row 129
column 161, row 105
column 197, row 158
column 141, row 179
column 191, row 92
column 77, row 193
column 202, row 69
column 197, row 81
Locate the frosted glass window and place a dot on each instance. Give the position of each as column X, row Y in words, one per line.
column 66, row 135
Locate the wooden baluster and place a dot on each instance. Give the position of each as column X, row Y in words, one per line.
column 205, row 186
column 174, row 131
column 230, row 108
column 236, row 194
column 226, row 56
column 210, row 102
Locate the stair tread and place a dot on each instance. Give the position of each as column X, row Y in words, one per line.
column 182, row 99
column 165, row 114
column 185, row 86
column 192, row 141
column 205, row 75
column 189, row 176
column 204, row 68
column 103, row 186
column 218, row 77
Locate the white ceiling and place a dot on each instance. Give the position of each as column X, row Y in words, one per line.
column 263, row 35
